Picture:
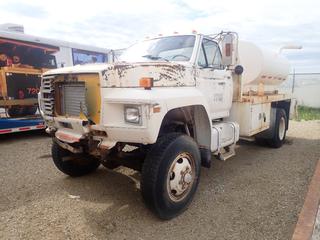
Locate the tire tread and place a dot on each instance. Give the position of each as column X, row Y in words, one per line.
column 151, row 166
column 153, row 175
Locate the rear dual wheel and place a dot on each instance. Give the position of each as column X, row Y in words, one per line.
column 278, row 135
column 170, row 175
column 280, row 129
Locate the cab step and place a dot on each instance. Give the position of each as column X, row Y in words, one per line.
column 226, row 152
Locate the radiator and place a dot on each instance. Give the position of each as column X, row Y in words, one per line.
column 73, row 99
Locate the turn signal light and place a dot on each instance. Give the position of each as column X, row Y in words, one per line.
column 156, row 109
column 146, row 83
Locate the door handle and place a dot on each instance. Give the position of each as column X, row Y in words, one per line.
column 221, row 83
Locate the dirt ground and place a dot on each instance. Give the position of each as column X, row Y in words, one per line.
column 255, row 195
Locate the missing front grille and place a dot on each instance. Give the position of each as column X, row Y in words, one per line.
column 73, row 97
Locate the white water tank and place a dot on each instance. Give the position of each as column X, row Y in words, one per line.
column 261, row 66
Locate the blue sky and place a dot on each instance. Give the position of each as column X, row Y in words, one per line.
column 118, row 24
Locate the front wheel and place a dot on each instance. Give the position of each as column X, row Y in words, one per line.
column 170, row 175
column 74, row 165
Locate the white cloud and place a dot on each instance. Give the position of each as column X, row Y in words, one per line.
column 117, row 24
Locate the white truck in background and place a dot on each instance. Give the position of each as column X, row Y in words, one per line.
column 176, row 101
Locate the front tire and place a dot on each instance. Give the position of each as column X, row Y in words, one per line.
column 170, row 175
column 74, row 165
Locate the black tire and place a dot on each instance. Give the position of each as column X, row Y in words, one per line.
column 155, row 174
column 30, row 110
column 79, row 165
column 15, row 111
column 109, row 164
column 281, row 118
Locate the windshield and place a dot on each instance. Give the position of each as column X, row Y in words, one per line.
column 175, row 48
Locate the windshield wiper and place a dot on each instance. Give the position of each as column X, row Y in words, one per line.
column 155, row 57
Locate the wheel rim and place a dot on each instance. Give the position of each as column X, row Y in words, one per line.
column 181, row 177
column 282, row 128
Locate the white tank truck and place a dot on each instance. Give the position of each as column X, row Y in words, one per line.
column 165, row 109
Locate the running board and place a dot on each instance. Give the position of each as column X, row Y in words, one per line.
column 226, row 152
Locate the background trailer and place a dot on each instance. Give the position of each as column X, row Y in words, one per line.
column 23, row 58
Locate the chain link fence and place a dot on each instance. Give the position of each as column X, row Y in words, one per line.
column 305, row 88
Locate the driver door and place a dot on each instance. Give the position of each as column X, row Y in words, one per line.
column 213, row 80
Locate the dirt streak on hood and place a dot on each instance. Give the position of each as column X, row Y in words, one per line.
column 163, row 74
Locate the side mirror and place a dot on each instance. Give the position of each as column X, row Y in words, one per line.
column 227, row 49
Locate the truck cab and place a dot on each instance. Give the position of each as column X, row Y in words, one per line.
column 168, row 106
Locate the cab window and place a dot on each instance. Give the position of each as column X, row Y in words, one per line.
column 210, row 55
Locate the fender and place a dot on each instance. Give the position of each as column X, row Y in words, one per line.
column 167, row 98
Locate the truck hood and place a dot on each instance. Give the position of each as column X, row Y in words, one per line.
column 163, row 74
column 125, row 74
column 87, row 68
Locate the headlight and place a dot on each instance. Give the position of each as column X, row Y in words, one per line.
column 132, row 114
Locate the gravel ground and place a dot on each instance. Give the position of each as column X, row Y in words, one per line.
column 255, row 195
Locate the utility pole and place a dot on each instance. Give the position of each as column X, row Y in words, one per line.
column 293, row 79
